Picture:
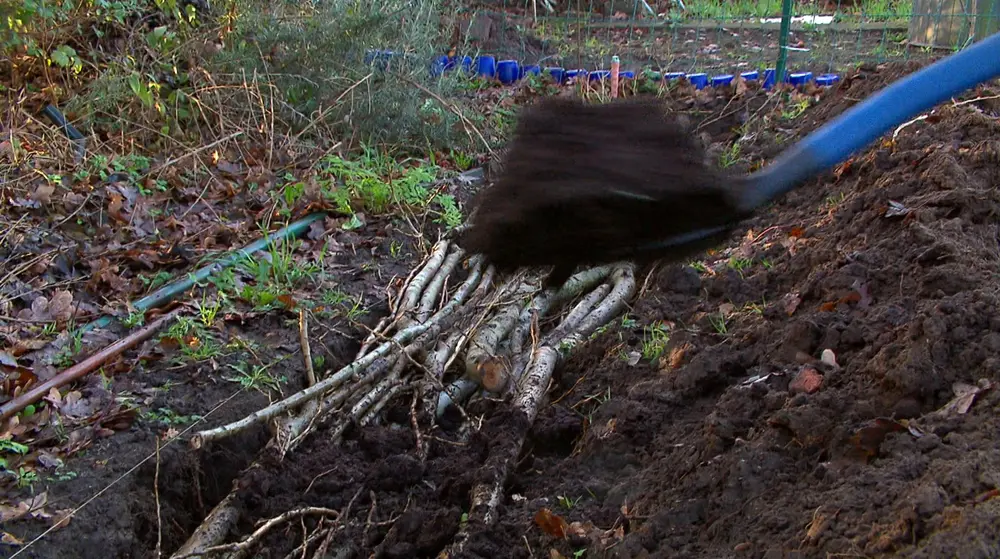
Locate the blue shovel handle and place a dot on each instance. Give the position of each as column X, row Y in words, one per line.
column 837, row 140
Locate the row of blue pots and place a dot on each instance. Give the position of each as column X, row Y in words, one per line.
column 510, row 71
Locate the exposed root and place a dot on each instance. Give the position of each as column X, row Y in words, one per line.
column 509, row 340
column 213, row 530
column 354, row 371
column 432, row 294
column 411, row 296
column 530, row 392
column 483, row 357
column 486, row 494
column 240, row 549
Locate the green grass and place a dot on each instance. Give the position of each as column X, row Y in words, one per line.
column 724, row 10
column 732, row 9
column 655, row 338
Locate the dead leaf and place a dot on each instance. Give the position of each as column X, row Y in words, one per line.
column 965, row 396
column 76, row 406
column 790, row 302
column 797, row 232
column 15, row 381
column 677, row 355
column 232, row 169
column 25, row 346
column 554, row 554
column 115, row 207
column 725, row 309
column 7, row 359
column 852, row 297
column 843, row 168
column 829, row 306
column 8, row 539
column 61, row 518
column 288, row 301
column 867, row 440
column 32, row 506
column 61, row 305
column 551, row 523
column 316, row 231
column 43, row 194
column 741, row 86
column 39, row 309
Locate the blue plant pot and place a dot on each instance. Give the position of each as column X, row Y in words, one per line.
column 718, row 81
column 750, row 76
column 439, row 65
column 673, row 76
column 486, row 66
column 558, row 74
column 525, row 70
column 827, row 80
column 626, row 75
column 699, row 81
column 508, row 71
column 467, row 64
column 800, row 78
column 573, row 74
column 600, row 75
column 769, row 78
column 379, row 58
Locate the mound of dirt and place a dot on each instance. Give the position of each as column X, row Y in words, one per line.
column 740, row 441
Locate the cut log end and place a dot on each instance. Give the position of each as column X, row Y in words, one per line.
column 494, row 374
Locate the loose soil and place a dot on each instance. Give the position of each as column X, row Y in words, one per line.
column 737, row 442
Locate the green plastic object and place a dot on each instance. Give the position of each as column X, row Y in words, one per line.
column 168, row 292
column 786, row 24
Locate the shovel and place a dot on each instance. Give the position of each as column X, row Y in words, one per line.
column 593, row 184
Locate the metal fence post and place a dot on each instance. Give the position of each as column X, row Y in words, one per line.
column 786, row 23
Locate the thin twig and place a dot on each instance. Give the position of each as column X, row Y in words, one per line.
column 419, row 439
column 85, row 367
column 306, row 352
column 206, row 147
column 156, row 494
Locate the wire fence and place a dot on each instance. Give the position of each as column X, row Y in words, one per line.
column 722, row 36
